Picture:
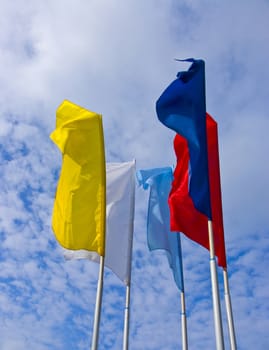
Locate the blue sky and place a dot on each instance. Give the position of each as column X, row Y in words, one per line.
column 116, row 57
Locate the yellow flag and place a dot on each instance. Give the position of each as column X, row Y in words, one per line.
column 79, row 212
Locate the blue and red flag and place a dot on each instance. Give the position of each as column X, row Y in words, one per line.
column 195, row 197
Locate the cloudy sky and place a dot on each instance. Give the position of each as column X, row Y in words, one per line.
column 115, row 57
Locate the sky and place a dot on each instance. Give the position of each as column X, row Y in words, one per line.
column 115, row 57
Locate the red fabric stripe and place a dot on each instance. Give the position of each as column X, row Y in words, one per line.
column 215, row 189
column 184, row 217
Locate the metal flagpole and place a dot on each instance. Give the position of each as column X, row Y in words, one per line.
column 126, row 319
column 128, row 285
column 183, row 322
column 98, row 304
column 229, row 310
column 215, row 291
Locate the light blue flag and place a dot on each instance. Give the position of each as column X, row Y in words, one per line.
column 158, row 225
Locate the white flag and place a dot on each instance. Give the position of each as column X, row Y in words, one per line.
column 120, row 195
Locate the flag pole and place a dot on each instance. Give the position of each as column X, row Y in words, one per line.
column 98, row 304
column 126, row 318
column 229, row 310
column 128, row 284
column 215, row 291
column 183, row 322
